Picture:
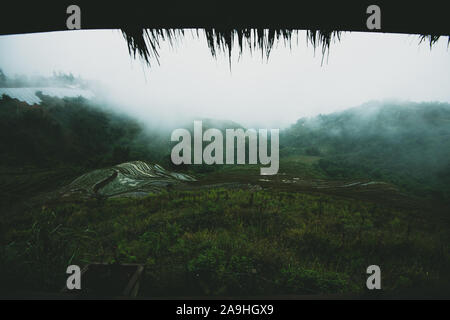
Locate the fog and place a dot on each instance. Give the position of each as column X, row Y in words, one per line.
column 189, row 83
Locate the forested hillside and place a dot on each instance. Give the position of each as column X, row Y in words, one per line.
column 404, row 143
column 72, row 131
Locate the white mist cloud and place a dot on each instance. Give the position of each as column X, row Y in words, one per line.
column 189, row 83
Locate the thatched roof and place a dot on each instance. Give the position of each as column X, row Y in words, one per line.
column 257, row 24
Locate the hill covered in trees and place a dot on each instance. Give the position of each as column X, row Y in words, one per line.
column 71, row 131
column 407, row 144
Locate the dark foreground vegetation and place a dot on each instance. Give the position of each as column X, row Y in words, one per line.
column 230, row 242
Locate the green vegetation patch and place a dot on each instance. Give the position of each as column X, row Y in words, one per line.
column 227, row 242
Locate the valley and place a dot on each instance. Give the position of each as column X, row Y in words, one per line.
column 81, row 185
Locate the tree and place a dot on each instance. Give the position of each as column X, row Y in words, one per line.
column 2, row 79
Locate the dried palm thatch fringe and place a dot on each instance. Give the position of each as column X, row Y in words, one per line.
column 145, row 43
column 432, row 39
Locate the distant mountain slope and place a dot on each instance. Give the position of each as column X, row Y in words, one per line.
column 407, row 144
column 31, row 95
column 72, row 131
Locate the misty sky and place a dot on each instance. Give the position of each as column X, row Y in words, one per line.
column 191, row 83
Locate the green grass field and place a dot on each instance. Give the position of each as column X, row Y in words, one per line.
column 231, row 239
